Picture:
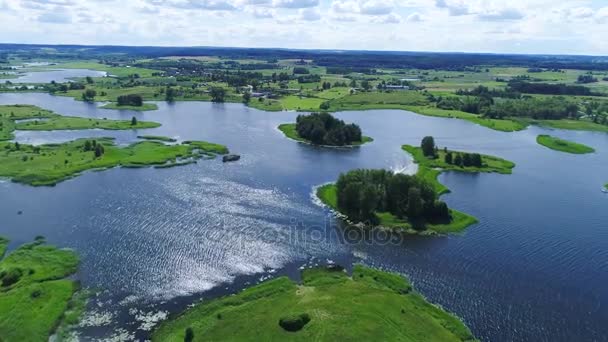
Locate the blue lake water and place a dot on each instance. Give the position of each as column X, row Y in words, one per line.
column 153, row 240
column 47, row 76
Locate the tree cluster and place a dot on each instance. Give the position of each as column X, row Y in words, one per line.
column 362, row 193
column 93, row 145
column 324, row 129
column 464, row 159
column 130, row 100
column 554, row 108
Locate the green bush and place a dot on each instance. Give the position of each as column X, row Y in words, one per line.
column 10, row 276
column 294, row 322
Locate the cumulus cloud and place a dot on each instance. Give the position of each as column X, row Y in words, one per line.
column 295, row 3
column 454, row 8
column 502, row 14
column 414, row 17
column 309, row 14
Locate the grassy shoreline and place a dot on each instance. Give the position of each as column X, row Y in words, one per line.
column 369, row 305
column 142, row 108
column 289, row 130
column 50, row 164
column 562, row 145
column 36, row 295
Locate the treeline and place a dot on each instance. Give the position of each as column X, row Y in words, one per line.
column 549, row 89
column 324, row 129
column 487, row 92
column 554, row 108
column 363, row 193
column 130, row 100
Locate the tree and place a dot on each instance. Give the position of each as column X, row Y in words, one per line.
column 89, row 95
column 458, row 160
column 90, row 80
column 466, row 159
column 414, row 203
column 189, row 336
column 449, row 158
column 133, row 121
column 17, row 146
column 246, row 97
column 476, row 160
column 87, row 146
column 218, row 94
column 170, row 94
column 428, row 146
column 99, row 150
column 366, row 85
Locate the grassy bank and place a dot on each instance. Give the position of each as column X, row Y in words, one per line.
column 370, row 305
column 34, row 293
column 142, row 108
column 39, row 119
column 156, row 137
column 430, row 168
column 52, row 163
column 290, row 131
column 460, row 221
column 563, row 145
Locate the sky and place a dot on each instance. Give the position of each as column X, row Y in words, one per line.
column 515, row 26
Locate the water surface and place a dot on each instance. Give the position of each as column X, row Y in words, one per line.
column 533, row 269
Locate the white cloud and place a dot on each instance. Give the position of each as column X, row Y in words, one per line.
column 309, row 14
column 414, row 17
column 295, row 3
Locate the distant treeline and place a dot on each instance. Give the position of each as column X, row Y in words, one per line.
column 363, row 193
column 549, row 89
column 537, row 108
column 328, row 58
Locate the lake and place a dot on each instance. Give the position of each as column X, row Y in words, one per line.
column 48, row 75
column 154, row 240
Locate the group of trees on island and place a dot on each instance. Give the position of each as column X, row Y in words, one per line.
column 93, row 145
column 324, row 129
column 363, row 193
column 130, row 100
column 462, row 159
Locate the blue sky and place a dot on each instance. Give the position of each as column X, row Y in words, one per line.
column 516, row 26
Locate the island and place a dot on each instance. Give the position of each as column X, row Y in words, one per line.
column 130, row 102
column 33, row 118
column 328, row 305
column 50, row 164
column 323, row 129
column 432, row 161
column 397, row 202
column 562, row 145
column 37, row 299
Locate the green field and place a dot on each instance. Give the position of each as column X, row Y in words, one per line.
column 430, row 168
column 34, row 293
column 460, row 221
column 142, row 108
column 290, row 131
column 121, row 71
column 369, row 306
column 52, row 163
column 563, row 145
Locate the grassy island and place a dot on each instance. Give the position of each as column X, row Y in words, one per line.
column 142, row 108
column 327, row 306
column 35, row 296
column 429, row 167
column 323, row 129
column 156, row 137
column 52, row 163
column 32, row 118
column 563, row 145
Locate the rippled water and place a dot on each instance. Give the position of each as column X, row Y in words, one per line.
column 47, row 76
column 154, row 240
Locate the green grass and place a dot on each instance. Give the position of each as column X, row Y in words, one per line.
column 430, row 168
column 563, row 145
column 52, row 163
column 142, row 108
column 156, row 137
column 579, row 125
column 115, row 71
column 505, row 125
column 59, row 122
column 371, row 305
column 32, row 307
column 45, row 120
column 290, row 131
column 460, row 221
